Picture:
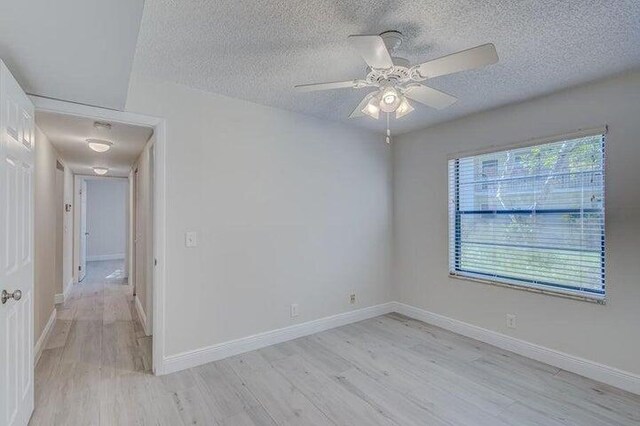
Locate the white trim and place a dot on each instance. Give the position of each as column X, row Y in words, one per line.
column 93, row 112
column 62, row 297
column 98, row 257
column 159, row 197
column 576, row 134
column 44, row 337
column 208, row 354
column 159, row 245
column 94, row 177
column 593, row 370
column 531, row 287
column 142, row 316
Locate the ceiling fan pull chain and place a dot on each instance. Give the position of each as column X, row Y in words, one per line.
column 388, row 139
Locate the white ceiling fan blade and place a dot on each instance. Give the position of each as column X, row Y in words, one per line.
column 357, row 112
column 469, row 59
column 373, row 50
column 325, row 86
column 429, row 97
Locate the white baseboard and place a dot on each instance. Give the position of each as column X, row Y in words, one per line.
column 116, row 256
column 62, row 297
column 593, row 370
column 208, row 354
column 42, row 340
column 142, row 316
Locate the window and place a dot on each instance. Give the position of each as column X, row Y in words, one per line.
column 489, row 170
column 531, row 217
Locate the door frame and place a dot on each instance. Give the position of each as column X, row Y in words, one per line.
column 131, row 226
column 79, row 241
column 158, row 280
column 140, row 220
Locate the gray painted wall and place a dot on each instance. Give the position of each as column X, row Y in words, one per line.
column 288, row 209
column 46, row 203
column 605, row 334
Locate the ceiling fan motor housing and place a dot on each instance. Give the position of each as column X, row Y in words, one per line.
column 393, row 76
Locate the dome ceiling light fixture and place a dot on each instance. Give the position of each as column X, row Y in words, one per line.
column 99, row 145
column 396, row 81
column 101, row 171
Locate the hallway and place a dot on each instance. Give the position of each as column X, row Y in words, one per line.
column 97, row 356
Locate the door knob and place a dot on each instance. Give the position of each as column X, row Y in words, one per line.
column 16, row 295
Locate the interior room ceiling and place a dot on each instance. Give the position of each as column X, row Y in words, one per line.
column 75, row 50
column 259, row 50
column 69, row 135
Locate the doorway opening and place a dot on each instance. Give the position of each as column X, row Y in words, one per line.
column 38, row 182
column 113, row 211
column 103, row 226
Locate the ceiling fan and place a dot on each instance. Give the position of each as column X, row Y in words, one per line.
column 396, row 81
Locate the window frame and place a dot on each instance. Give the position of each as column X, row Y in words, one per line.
column 455, row 230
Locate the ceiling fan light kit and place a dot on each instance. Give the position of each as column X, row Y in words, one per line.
column 404, row 108
column 372, row 108
column 396, row 81
column 389, row 99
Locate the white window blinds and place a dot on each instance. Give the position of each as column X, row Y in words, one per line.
column 531, row 216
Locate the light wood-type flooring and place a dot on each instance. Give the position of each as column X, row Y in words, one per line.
column 389, row 370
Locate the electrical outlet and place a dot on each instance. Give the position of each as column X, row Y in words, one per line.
column 511, row 321
column 352, row 298
column 294, row 310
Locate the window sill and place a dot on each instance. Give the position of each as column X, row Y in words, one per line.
column 556, row 293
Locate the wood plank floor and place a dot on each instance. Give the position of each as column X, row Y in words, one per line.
column 389, row 370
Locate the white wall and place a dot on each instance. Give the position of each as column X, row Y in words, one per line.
column 605, row 334
column 106, row 218
column 59, row 230
column 44, row 231
column 67, row 242
column 288, row 209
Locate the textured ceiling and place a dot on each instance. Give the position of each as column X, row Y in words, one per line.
column 257, row 50
column 75, row 50
column 68, row 134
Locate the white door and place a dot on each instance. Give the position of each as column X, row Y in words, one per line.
column 16, row 252
column 83, row 230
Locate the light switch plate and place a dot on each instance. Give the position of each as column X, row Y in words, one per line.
column 190, row 239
